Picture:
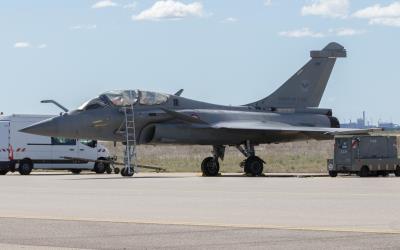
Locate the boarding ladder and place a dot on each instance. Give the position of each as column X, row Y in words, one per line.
column 130, row 156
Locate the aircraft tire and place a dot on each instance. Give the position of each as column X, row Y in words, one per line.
column 116, row 170
column 210, row 167
column 364, row 172
column 333, row 173
column 124, row 172
column 25, row 167
column 254, row 166
column 397, row 171
column 76, row 171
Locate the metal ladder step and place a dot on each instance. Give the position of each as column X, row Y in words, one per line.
column 130, row 139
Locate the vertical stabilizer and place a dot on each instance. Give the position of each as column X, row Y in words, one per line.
column 306, row 87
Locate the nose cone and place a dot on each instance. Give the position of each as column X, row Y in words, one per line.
column 49, row 127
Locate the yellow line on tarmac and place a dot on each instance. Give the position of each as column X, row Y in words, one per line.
column 221, row 225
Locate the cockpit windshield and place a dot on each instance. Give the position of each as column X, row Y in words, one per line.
column 122, row 98
column 152, row 98
column 117, row 98
column 92, row 104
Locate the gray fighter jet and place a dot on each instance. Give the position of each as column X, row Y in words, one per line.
column 291, row 113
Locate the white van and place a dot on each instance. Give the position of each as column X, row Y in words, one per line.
column 24, row 152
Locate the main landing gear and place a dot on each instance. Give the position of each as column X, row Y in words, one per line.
column 252, row 166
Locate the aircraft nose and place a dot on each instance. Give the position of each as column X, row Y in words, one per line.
column 47, row 127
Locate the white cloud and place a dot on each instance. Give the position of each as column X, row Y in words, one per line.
column 42, row 46
column 21, row 45
column 84, row 27
column 170, row 9
column 384, row 15
column 386, row 21
column 378, row 11
column 130, row 6
column 104, row 4
column 267, row 2
column 307, row 32
column 327, row 8
column 304, row 32
column 347, row 32
column 230, row 20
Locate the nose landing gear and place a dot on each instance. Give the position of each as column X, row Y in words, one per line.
column 210, row 165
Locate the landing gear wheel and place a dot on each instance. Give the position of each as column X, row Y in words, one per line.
column 397, row 171
column 76, row 171
column 25, row 168
column 4, row 171
column 116, row 170
column 333, row 173
column 99, row 168
column 254, row 166
column 364, row 172
column 210, row 167
column 126, row 173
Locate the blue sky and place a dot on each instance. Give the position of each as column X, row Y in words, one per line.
column 226, row 52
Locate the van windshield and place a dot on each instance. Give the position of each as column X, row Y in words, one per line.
column 89, row 143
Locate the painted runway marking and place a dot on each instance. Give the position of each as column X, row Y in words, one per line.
column 222, row 225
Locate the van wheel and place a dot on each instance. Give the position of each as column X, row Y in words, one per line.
column 76, row 171
column 364, row 172
column 99, row 168
column 25, row 167
column 332, row 173
column 4, row 171
column 397, row 171
column 383, row 173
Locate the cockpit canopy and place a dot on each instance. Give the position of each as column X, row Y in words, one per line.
column 123, row 98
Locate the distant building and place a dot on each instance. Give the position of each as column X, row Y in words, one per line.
column 388, row 126
column 362, row 124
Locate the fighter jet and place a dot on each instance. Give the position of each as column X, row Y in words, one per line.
column 290, row 113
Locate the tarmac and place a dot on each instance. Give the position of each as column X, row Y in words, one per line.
column 185, row 210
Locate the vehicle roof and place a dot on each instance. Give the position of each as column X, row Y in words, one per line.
column 363, row 136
